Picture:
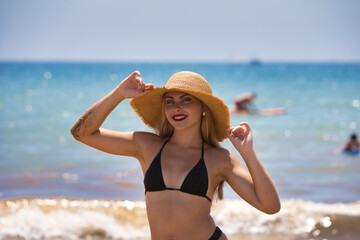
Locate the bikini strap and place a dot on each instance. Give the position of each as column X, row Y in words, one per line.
column 165, row 144
column 202, row 150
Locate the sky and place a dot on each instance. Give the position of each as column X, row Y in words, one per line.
column 178, row 31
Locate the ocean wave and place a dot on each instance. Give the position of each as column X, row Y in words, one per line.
column 297, row 219
column 60, row 218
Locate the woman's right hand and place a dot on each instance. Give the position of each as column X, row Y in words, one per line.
column 133, row 86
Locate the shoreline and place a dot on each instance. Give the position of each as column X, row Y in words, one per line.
column 63, row 218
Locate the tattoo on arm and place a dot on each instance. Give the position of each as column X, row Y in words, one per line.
column 83, row 122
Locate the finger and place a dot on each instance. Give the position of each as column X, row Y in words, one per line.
column 137, row 73
column 229, row 134
column 140, row 83
column 144, row 92
column 134, row 74
column 148, row 87
column 229, row 130
column 233, row 138
column 247, row 126
column 238, row 130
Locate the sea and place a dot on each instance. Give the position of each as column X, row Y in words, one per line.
column 53, row 187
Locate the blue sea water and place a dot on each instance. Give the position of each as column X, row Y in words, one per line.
column 41, row 101
column 53, row 187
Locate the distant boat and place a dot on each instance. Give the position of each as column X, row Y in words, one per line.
column 255, row 62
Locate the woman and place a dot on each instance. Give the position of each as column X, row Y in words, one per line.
column 190, row 122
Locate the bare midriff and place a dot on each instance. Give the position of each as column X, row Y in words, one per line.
column 175, row 215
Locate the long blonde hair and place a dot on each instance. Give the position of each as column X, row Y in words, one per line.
column 165, row 130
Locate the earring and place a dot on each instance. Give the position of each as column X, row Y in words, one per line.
column 203, row 114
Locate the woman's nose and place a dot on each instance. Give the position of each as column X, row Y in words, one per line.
column 177, row 106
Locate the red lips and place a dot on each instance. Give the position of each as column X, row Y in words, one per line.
column 179, row 117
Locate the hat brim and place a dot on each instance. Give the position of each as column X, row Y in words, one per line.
column 148, row 108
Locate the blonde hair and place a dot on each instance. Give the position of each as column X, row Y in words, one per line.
column 208, row 133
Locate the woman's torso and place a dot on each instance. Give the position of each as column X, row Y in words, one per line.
column 174, row 214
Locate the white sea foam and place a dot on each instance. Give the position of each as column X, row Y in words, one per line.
column 74, row 219
column 71, row 219
column 296, row 216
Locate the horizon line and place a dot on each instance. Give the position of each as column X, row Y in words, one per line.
column 251, row 61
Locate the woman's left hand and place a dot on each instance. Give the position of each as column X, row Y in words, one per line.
column 241, row 137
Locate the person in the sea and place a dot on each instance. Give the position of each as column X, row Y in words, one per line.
column 353, row 144
column 183, row 164
column 244, row 103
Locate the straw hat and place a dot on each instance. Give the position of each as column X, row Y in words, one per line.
column 149, row 106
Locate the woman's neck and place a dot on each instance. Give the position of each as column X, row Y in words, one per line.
column 186, row 139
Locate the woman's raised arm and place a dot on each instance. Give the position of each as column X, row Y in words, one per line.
column 256, row 186
column 87, row 128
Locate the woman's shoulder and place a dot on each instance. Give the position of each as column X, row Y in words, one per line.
column 219, row 155
column 146, row 137
column 148, row 141
column 217, row 150
column 219, row 160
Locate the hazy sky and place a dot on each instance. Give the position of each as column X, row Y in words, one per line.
column 180, row 30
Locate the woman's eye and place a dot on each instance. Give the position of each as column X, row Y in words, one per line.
column 187, row 99
column 169, row 101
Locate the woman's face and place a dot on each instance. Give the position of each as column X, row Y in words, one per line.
column 182, row 110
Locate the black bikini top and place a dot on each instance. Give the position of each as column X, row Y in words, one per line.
column 195, row 183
